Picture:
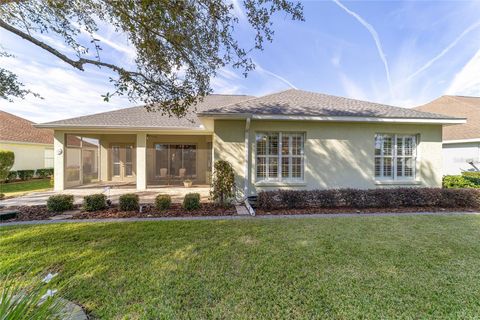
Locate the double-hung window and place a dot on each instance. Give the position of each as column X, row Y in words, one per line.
column 395, row 156
column 280, row 156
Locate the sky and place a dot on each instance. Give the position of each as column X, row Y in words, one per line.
column 403, row 53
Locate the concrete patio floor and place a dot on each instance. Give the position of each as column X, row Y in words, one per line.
column 113, row 193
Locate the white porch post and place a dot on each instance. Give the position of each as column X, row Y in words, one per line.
column 59, row 160
column 141, row 161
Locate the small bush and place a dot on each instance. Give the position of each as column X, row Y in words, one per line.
column 458, row 182
column 223, row 184
column 44, row 173
column 25, row 174
column 12, row 176
column 191, row 201
column 472, row 176
column 60, row 202
column 373, row 198
column 128, row 202
column 163, row 201
column 7, row 159
column 94, row 202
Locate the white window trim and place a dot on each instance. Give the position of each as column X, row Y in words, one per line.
column 279, row 180
column 396, row 179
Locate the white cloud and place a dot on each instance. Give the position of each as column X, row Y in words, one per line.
column 467, row 80
column 375, row 37
column 67, row 93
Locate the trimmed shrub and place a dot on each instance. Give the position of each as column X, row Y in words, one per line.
column 191, row 201
column 163, row 201
column 94, row 202
column 458, row 182
column 12, row 176
column 7, row 159
column 25, row 174
column 128, row 202
column 44, row 173
column 373, row 198
column 472, row 176
column 60, row 202
column 223, row 184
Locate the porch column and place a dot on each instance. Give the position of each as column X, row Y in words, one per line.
column 58, row 160
column 141, row 161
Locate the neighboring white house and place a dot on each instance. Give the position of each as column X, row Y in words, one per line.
column 33, row 147
column 461, row 143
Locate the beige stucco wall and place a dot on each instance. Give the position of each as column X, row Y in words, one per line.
column 337, row 155
column 29, row 156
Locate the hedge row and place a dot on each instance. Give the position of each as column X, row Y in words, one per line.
column 372, row 198
column 29, row 174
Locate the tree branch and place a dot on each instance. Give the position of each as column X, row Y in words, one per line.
column 78, row 64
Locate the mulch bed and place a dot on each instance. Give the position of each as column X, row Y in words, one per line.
column 28, row 213
column 149, row 211
column 367, row 210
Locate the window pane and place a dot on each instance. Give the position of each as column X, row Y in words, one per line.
column 272, row 168
column 378, row 167
column 409, row 146
column 378, row 144
column 399, row 167
column 261, row 144
column 297, row 145
column 261, row 168
column 285, row 167
column 273, row 144
column 297, row 164
column 387, row 145
column 285, row 144
column 72, row 168
column 409, row 167
column 399, row 146
column 387, row 167
column 116, row 160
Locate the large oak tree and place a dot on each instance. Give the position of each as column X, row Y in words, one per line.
column 180, row 44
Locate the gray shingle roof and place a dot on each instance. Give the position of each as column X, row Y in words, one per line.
column 304, row 103
column 289, row 102
column 139, row 117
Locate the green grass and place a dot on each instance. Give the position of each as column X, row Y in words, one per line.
column 360, row 267
column 16, row 188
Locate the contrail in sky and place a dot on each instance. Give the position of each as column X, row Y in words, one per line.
column 375, row 37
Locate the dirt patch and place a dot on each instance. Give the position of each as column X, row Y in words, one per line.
column 368, row 210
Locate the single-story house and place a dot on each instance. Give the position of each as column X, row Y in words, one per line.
column 33, row 147
column 461, row 144
column 291, row 139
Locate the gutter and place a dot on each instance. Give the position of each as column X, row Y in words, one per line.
column 232, row 116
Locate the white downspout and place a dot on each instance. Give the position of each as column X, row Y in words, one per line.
column 247, row 157
column 247, row 166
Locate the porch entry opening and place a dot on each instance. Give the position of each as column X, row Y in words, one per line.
column 82, row 158
column 175, row 163
column 122, row 162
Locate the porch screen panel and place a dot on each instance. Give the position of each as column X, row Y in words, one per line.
column 73, row 162
column 161, row 160
column 190, row 160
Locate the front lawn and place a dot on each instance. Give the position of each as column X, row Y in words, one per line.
column 357, row 267
column 21, row 187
